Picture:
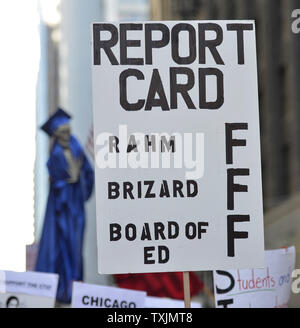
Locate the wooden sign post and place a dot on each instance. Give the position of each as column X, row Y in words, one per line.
column 186, row 289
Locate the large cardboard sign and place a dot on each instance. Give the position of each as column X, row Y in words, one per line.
column 177, row 148
column 27, row 289
column 96, row 296
column 269, row 287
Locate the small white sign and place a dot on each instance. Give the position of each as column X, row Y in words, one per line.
column 15, row 300
column 269, row 287
column 95, row 296
column 27, row 289
column 161, row 302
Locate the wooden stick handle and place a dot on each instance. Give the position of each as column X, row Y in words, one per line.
column 186, row 289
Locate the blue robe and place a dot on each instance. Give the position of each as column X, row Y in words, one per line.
column 60, row 248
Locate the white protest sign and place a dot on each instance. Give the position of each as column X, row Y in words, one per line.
column 95, row 296
column 177, row 148
column 13, row 300
column 162, row 302
column 27, row 289
column 258, row 288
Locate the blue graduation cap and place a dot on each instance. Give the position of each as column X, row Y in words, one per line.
column 60, row 117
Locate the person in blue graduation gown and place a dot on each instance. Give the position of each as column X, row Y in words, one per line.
column 71, row 184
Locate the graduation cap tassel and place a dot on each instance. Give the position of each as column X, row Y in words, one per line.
column 186, row 289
